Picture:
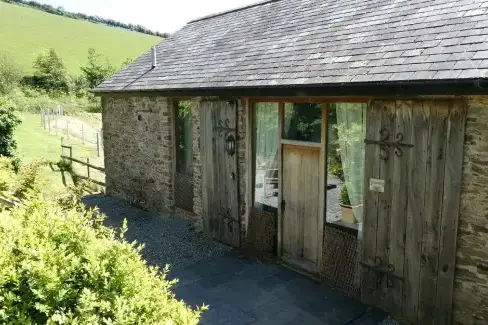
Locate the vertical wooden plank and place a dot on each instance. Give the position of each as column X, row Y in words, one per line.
column 415, row 210
column 250, row 159
column 174, row 108
column 322, row 184
column 281, row 109
column 311, row 213
column 450, row 213
column 388, row 126
column 207, row 164
column 434, row 186
column 394, row 297
column 369, row 292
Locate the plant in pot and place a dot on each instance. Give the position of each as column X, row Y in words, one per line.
column 347, row 211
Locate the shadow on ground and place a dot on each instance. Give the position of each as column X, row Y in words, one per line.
column 239, row 291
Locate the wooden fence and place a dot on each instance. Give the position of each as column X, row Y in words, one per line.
column 86, row 163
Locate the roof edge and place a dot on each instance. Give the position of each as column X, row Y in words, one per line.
column 474, row 86
column 218, row 14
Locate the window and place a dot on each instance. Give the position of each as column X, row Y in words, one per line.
column 302, row 122
column 266, row 155
column 345, row 163
column 184, row 157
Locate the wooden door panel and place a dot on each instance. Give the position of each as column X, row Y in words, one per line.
column 408, row 262
column 219, row 172
column 301, row 218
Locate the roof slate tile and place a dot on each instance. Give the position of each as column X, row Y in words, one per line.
column 292, row 42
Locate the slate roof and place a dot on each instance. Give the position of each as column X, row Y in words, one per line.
column 317, row 42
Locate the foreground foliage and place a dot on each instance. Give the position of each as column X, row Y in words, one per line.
column 8, row 122
column 60, row 265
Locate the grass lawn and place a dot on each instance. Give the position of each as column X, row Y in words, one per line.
column 35, row 143
column 26, row 32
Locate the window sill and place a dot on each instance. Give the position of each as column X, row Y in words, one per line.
column 344, row 226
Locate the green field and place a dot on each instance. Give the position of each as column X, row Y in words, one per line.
column 35, row 143
column 26, row 32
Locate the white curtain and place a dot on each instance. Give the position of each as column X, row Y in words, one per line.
column 351, row 128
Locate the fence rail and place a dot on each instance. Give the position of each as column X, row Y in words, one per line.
column 86, row 163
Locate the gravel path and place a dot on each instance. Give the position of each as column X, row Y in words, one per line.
column 167, row 240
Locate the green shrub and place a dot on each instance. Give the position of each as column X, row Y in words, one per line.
column 60, row 265
column 8, row 123
column 50, row 74
column 345, row 195
column 97, row 69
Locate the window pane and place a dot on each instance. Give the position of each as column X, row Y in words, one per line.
column 184, row 135
column 345, row 172
column 266, row 155
column 303, row 122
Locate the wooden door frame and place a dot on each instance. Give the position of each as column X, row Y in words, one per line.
column 249, row 103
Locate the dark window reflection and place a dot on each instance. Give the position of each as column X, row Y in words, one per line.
column 303, row 122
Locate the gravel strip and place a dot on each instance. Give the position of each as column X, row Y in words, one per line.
column 167, row 240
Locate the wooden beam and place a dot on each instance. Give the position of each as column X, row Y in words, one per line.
column 322, row 184
column 281, row 114
column 307, row 144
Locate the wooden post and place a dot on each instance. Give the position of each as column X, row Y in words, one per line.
column 88, row 168
column 98, row 145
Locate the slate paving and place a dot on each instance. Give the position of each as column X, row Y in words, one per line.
column 241, row 291
column 238, row 291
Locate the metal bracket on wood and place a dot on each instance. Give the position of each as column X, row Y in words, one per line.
column 226, row 217
column 385, row 144
column 381, row 272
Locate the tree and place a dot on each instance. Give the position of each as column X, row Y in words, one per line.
column 10, row 73
column 97, row 69
column 8, row 123
column 51, row 73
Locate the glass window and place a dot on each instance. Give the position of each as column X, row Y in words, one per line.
column 302, row 122
column 184, row 136
column 266, row 155
column 345, row 166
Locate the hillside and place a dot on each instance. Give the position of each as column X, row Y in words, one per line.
column 25, row 32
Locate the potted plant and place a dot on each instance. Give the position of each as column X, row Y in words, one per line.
column 347, row 211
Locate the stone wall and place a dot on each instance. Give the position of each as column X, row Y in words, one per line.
column 138, row 144
column 470, row 305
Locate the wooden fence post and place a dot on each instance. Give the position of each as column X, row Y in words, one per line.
column 88, row 167
column 98, row 145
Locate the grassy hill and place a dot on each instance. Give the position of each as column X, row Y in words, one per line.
column 26, row 32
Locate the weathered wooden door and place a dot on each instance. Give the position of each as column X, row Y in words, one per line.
column 413, row 165
column 301, row 218
column 219, row 171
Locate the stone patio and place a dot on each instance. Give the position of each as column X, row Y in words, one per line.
column 245, row 292
column 239, row 291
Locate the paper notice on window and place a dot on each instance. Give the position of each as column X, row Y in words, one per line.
column 377, row 185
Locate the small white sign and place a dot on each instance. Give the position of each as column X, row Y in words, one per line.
column 377, row 185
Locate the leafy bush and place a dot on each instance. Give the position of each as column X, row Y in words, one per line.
column 10, row 73
column 8, row 122
column 51, row 74
column 60, row 265
column 345, row 195
column 97, row 69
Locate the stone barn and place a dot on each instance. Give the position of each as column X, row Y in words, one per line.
column 349, row 139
